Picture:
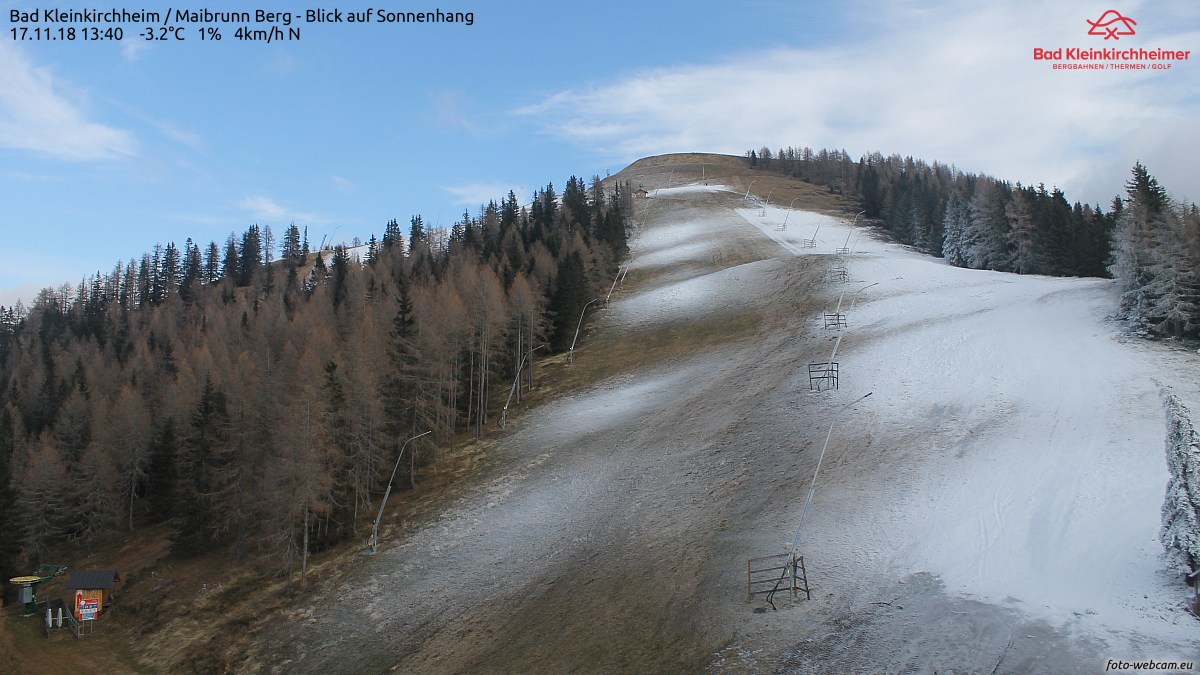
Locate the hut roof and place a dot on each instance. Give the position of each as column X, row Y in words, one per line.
column 93, row 579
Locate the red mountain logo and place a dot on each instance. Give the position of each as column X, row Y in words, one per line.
column 1110, row 25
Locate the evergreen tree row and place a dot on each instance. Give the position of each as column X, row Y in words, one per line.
column 1148, row 242
column 1156, row 259
column 971, row 220
column 261, row 404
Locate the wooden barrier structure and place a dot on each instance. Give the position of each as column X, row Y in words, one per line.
column 772, row 574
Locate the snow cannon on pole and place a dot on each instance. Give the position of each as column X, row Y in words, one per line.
column 375, row 531
column 571, row 351
column 788, row 214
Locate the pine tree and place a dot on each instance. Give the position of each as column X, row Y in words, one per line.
column 1180, row 531
column 984, row 238
column 93, row 505
column 229, row 264
column 340, row 270
column 250, row 256
column 40, row 498
column 416, row 233
column 172, row 271
column 1136, row 252
column 372, row 250
column 192, row 270
column 1021, row 231
column 290, row 253
column 203, row 473
column 955, row 223
column 391, row 234
column 402, row 384
column 212, row 264
column 10, row 546
column 1174, row 293
column 335, row 434
column 570, row 297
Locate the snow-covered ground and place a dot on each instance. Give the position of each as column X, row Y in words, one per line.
column 1012, row 445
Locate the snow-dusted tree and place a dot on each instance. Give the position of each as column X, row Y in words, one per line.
column 1021, row 231
column 1180, row 533
column 1136, row 243
column 985, row 243
column 1172, row 295
column 955, row 223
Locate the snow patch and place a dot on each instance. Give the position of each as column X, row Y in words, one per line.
column 688, row 189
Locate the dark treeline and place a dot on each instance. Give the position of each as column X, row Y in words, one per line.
column 261, row 403
column 972, row 220
column 1149, row 242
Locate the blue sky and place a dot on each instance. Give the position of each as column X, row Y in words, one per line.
column 108, row 148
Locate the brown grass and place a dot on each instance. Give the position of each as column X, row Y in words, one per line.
column 703, row 168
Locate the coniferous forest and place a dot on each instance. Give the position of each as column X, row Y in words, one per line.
column 1147, row 241
column 260, row 402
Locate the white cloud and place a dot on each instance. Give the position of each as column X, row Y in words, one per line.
column 134, row 50
column 342, row 184
column 168, row 130
column 263, row 207
column 184, row 137
column 35, row 116
column 950, row 82
column 27, row 177
column 279, row 64
column 477, row 194
column 452, row 109
column 266, row 209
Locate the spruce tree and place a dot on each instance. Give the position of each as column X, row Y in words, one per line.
column 9, row 515
column 1136, row 252
column 250, row 255
column 570, row 297
column 203, row 473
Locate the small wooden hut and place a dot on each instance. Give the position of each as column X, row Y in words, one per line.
column 99, row 585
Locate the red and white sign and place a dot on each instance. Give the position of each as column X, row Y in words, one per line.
column 88, row 609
